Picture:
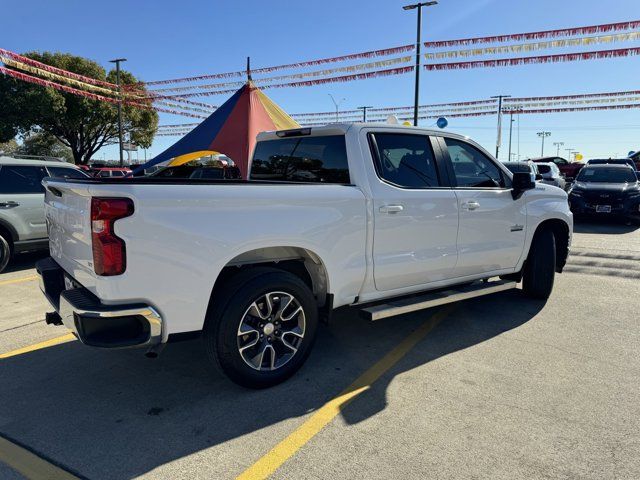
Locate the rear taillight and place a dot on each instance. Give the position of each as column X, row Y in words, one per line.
column 109, row 254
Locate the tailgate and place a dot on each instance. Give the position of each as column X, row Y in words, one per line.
column 67, row 213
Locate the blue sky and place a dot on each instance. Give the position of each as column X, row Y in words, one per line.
column 167, row 39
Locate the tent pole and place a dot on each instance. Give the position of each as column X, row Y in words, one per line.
column 249, row 68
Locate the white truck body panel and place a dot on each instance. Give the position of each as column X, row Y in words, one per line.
column 181, row 236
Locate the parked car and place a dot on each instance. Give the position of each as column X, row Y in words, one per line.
column 612, row 161
column 606, row 190
column 528, row 167
column 568, row 169
column 635, row 156
column 345, row 214
column 22, row 224
column 551, row 175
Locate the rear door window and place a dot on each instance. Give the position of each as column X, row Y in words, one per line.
column 21, row 179
column 302, row 159
column 406, row 160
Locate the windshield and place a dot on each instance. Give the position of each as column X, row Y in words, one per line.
column 517, row 167
column 607, row 175
column 544, row 168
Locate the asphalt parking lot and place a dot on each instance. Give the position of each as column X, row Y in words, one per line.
column 497, row 387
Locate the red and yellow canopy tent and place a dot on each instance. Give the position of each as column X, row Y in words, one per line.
column 231, row 129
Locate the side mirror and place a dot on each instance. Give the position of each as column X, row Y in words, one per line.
column 520, row 183
column 539, row 176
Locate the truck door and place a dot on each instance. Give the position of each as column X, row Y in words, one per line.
column 415, row 212
column 22, row 200
column 492, row 224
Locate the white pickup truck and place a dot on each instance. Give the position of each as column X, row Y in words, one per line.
column 388, row 218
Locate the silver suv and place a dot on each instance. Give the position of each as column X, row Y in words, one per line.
column 22, row 224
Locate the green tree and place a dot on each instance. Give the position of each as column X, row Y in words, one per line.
column 81, row 124
column 9, row 147
column 46, row 145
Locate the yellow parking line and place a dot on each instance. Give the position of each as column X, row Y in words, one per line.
column 37, row 346
column 29, row 464
column 284, row 450
column 19, row 280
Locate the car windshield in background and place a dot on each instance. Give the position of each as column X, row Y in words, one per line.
column 302, row 159
column 517, row 167
column 607, row 175
column 542, row 168
column 61, row 172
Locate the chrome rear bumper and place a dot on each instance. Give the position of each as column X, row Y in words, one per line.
column 94, row 323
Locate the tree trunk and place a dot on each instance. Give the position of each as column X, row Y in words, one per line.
column 77, row 157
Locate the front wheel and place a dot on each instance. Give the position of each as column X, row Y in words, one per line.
column 261, row 327
column 540, row 267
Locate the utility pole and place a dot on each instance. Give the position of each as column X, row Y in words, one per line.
column 569, row 152
column 337, row 105
column 117, row 62
column 499, row 139
column 558, row 144
column 543, row 135
column 364, row 113
column 418, row 44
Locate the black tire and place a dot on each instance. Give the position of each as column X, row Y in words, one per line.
column 5, row 252
column 540, row 267
column 229, row 308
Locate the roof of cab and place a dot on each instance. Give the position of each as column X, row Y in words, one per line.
column 342, row 128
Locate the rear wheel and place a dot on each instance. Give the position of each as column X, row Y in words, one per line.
column 261, row 328
column 5, row 252
column 540, row 267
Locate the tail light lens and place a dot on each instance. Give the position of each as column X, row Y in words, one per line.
column 109, row 254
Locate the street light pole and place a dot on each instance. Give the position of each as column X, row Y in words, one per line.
column 418, row 44
column 117, row 62
column 364, row 113
column 511, row 120
column 543, row 135
column 499, row 139
column 558, row 144
column 337, row 105
column 516, row 109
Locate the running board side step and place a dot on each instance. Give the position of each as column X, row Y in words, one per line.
column 434, row 299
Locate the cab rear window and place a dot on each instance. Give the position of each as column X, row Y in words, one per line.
column 302, row 159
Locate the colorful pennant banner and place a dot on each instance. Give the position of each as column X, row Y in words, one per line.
column 307, row 83
column 510, row 62
column 564, row 97
column 318, row 73
column 106, row 91
column 59, row 71
column 581, row 109
column 530, row 47
column 54, row 76
column 514, row 37
column 93, row 96
column 370, row 54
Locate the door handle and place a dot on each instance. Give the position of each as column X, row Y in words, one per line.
column 9, row 204
column 391, row 208
column 471, row 205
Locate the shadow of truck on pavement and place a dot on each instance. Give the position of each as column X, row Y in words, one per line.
column 118, row 415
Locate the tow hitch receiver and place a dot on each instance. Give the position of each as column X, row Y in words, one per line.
column 52, row 318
